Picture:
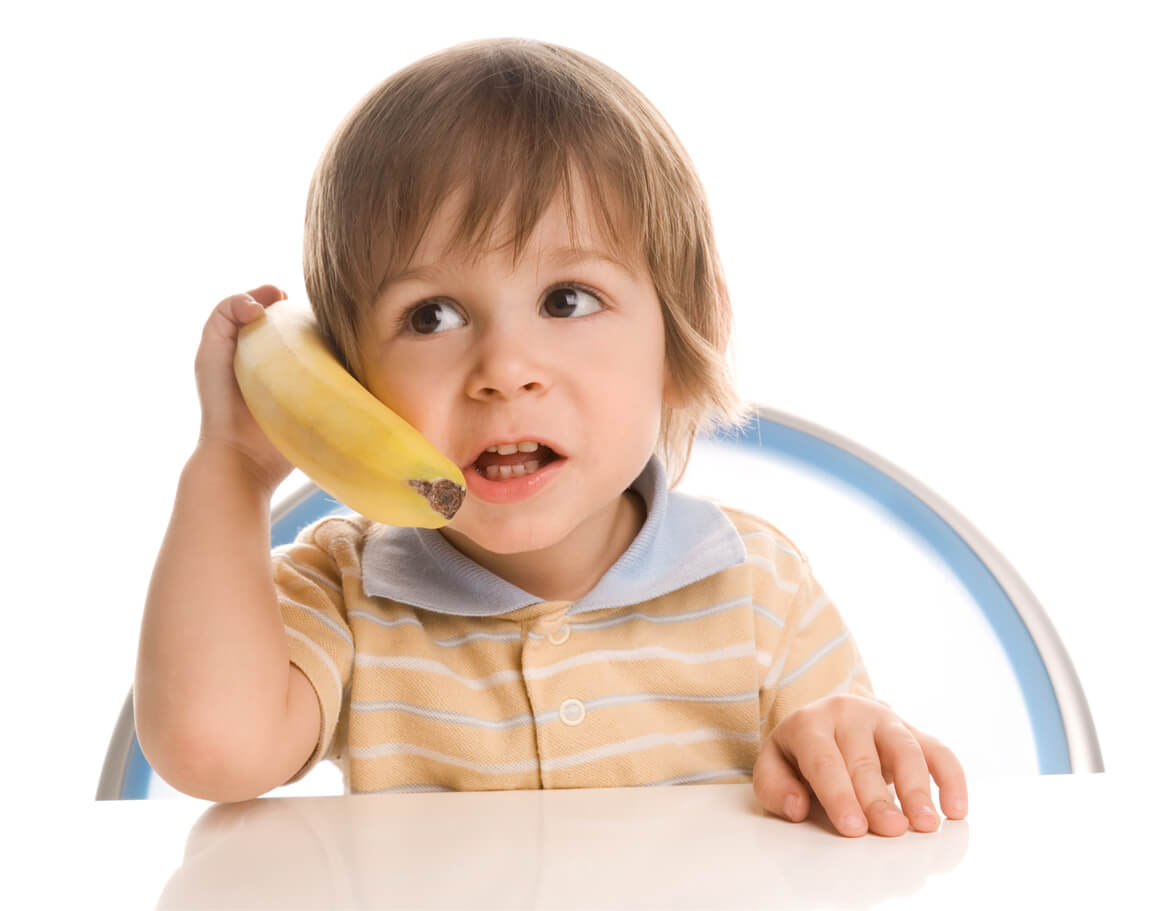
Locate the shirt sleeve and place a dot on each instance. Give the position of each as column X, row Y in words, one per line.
column 309, row 588
column 816, row 656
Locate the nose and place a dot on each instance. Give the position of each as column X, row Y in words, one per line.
column 507, row 364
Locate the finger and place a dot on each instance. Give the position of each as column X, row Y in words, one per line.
column 948, row 773
column 821, row 764
column 857, row 746
column 903, row 755
column 243, row 308
column 267, row 294
column 777, row 787
column 238, row 310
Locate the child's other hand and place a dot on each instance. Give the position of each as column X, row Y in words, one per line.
column 224, row 417
column 848, row 749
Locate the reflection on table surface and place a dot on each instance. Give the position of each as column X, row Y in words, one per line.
column 1064, row 838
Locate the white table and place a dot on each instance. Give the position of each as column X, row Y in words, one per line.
column 1061, row 840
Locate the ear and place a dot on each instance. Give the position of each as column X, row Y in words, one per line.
column 672, row 395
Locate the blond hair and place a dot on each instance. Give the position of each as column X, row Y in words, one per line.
column 508, row 121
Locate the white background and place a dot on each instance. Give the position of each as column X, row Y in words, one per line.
column 934, row 218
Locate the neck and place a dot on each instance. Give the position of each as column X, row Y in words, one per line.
column 568, row 569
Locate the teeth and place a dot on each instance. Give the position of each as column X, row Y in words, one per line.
column 503, row 472
column 509, row 448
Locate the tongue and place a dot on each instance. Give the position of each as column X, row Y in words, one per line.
column 543, row 454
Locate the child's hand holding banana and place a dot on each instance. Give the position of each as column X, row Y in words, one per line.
column 224, row 417
column 328, row 425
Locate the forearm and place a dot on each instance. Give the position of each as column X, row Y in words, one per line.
column 212, row 671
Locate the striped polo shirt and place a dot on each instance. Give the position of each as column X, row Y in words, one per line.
column 432, row 673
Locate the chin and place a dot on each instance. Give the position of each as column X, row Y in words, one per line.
column 514, row 538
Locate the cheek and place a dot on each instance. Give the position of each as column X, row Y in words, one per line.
column 635, row 391
column 407, row 390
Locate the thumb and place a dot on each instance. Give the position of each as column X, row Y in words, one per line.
column 267, row 294
column 777, row 787
column 250, row 306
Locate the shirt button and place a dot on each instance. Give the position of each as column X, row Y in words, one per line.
column 559, row 635
column 572, row 712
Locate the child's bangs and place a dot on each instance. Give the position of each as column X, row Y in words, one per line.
column 504, row 184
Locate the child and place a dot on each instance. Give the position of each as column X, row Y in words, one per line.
column 509, row 247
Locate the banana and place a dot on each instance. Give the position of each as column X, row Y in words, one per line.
column 330, row 427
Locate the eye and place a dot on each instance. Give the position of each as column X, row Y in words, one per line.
column 571, row 300
column 431, row 317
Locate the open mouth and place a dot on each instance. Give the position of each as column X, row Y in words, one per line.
column 513, row 460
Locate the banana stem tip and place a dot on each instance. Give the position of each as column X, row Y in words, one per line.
column 444, row 496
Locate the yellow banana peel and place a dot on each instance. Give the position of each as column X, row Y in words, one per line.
column 330, row 427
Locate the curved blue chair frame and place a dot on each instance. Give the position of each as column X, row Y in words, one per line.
column 1061, row 722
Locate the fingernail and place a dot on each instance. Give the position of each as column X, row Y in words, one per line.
column 854, row 823
column 791, row 807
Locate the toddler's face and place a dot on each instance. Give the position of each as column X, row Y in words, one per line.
column 563, row 352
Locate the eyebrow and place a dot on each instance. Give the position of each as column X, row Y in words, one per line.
column 560, row 256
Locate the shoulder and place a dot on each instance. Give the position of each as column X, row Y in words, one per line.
column 338, row 538
column 778, row 566
column 760, row 536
